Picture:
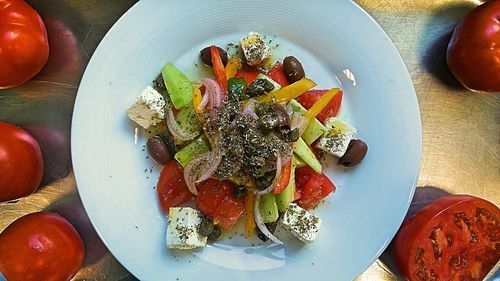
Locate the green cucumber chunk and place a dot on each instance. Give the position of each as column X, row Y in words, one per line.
column 268, row 208
column 188, row 120
column 314, row 130
column 178, row 86
column 197, row 147
column 285, row 198
column 299, row 163
column 303, row 150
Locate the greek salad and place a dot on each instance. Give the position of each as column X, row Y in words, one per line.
column 242, row 144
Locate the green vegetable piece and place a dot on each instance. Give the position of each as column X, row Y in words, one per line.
column 188, row 120
column 178, row 86
column 285, row 198
column 299, row 163
column 197, row 147
column 235, row 88
column 268, row 208
column 302, row 150
column 314, row 130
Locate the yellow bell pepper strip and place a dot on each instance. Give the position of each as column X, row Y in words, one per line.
column 249, row 219
column 233, row 65
column 289, row 92
column 320, row 104
column 317, row 107
column 220, row 72
column 197, row 98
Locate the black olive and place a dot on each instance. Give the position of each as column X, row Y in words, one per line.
column 293, row 69
column 215, row 234
column 356, row 151
column 159, row 150
column 240, row 191
column 206, row 226
column 271, row 227
column 206, row 56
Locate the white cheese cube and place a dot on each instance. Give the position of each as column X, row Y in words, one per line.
column 182, row 231
column 254, row 48
column 337, row 137
column 301, row 223
column 149, row 109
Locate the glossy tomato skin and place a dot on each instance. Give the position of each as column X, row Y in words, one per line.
column 40, row 246
column 473, row 54
column 229, row 211
column 25, row 47
column 172, row 189
column 211, row 193
column 311, row 187
column 454, row 237
column 308, row 99
column 21, row 162
column 277, row 74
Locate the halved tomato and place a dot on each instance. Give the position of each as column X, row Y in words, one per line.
column 312, row 187
column 456, row 237
column 229, row 211
column 278, row 75
column 172, row 189
column 284, row 179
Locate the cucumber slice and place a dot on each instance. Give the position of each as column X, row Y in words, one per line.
column 302, row 150
column 285, row 198
column 178, row 86
column 197, row 147
column 188, row 121
column 299, row 163
column 268, row 208
column 314, row 130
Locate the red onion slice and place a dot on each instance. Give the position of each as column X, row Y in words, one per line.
column 260, row 224
column 204, row 102
column 215, row 92
column 193, row 170
column 177, row 131
column 212, row 164
column 249, row 109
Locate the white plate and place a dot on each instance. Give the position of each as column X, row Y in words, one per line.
column 359, row 220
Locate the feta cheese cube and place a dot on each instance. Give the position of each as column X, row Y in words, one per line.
column 149, row 108
column 254, row 48
column 301, row 223
column 337, row 137
column 182, row 231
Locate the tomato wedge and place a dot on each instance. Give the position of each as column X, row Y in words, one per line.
column 248, row 73
column 456, row 237
column 220, row 71
column 278, row 75
column 172, row 189
column 308, row 99
column 211, row 193
column 312, row 187
column 284, row 179
column 229, row 211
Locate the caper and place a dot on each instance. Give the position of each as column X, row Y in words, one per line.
column 258, row 87
column 240, row 191
column 266, row 180
column 271, row 227
column 268, row 121
column 291, row 135
column 205, row 227
column 215, row 234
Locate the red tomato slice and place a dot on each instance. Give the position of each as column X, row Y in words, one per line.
column 308, row 98
column 172, row 189
column 248, row 73
column 456, row 237
column 219, row 69
column 278, row 75
column 211, row 194
column 284, row 179
column 229, row 211
column 312, row 187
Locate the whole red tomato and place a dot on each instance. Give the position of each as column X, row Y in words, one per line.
column 456, row 237
column 21, row 163
column 23, row 43
column 40, row 246
column 473, row 54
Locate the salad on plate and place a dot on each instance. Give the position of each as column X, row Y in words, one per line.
column 243, row 144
